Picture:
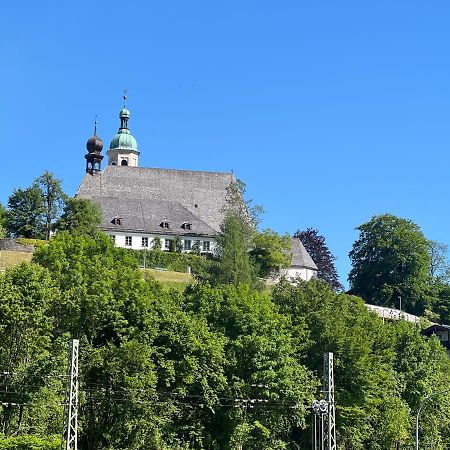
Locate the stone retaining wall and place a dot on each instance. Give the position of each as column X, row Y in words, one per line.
column 13, row 246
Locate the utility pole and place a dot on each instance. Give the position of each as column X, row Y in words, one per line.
column 324, row 419
column 70, row 434
column 328, row 389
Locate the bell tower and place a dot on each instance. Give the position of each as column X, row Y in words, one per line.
column 94, row 157
column 123, row 150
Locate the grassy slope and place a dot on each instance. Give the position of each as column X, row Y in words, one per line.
column 9, row 259
column 175, row 280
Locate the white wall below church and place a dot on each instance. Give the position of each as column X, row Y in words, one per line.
column 295, row 272
column 120, row 240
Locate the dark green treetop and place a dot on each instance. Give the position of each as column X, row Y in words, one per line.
column 390, row 259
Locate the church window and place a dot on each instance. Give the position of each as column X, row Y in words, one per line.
column 187, row 226
column 113, row 163
column 164, row 224
column 206, row 246
column 187, row 244
column 128, row 241
column 167, row 244
column 117, row 221
column 124, row 162
column 144, row 242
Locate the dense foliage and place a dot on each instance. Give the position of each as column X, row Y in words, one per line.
column 200, row 265
column 391, row 261
column 32, row 212
column 222, row 367
column 80, row 215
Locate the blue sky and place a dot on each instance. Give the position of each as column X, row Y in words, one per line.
column 331, row 112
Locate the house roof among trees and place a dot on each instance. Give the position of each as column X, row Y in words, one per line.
column 300, row 257
column 203, row 194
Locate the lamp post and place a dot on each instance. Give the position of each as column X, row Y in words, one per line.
column 421, row 405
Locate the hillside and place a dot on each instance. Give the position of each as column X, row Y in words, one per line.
column 10, row 258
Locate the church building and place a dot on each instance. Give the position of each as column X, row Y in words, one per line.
column 146, row 207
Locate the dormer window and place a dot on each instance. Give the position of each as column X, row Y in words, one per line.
column 117, row 221
column 165, row 224
column 187, row 226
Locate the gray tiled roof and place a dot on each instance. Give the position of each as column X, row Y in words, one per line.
column 300, row 257
column 200, row 193
column 143, row 216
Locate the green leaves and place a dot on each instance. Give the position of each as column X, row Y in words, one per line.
column 390, row 260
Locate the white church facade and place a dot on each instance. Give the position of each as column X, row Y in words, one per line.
column 147, row 207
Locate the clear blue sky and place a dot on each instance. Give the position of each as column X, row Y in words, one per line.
column 330, row 111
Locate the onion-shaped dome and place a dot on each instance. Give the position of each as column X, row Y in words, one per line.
column 94, row 144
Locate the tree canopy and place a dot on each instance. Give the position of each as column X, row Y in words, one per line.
column 80, row 215
column 390, row 260
column 170, row 370
column 53, row 198
column 24, row 217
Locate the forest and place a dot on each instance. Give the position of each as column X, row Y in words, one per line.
column 229, row 362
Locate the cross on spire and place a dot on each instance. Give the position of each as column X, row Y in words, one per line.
column 125, row 96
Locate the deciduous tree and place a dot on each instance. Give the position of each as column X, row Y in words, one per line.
column 24, row 217
column 80, row 215
column 390, row 259
column 270, row 250
column 53, row 197
column 316, row 246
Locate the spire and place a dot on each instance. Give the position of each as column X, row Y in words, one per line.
column 95, row 125
column 124, row 114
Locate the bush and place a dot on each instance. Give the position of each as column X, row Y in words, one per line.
column 30, row 442
column 177, row 262
column 29, row 241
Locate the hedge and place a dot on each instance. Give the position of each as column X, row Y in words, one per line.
column 29, row 241
column 30, row 442
column 178, row 262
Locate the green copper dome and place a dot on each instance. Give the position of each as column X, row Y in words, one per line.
column 124, row 139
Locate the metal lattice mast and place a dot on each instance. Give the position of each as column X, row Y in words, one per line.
column 328, row 389
column 69, row 441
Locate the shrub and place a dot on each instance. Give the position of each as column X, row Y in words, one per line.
column 178, row 262
column 30, row 442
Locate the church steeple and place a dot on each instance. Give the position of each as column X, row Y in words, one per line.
column 123, row 150
column 94, row 157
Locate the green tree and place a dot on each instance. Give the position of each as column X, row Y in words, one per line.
column 271, row 251
column 29, row 352
column 54, row 199
column 24, row 217
column 80, row 215
column 233, row 244
column 235, row 239
column 390, row 259
column 263, row 360
column 366, row 384
column 151, row 371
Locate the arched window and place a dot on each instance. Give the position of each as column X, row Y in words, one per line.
column 124, row 162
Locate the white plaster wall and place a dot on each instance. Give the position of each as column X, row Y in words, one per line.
column 136, row 243
column 304, row 273
column 116, row 156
